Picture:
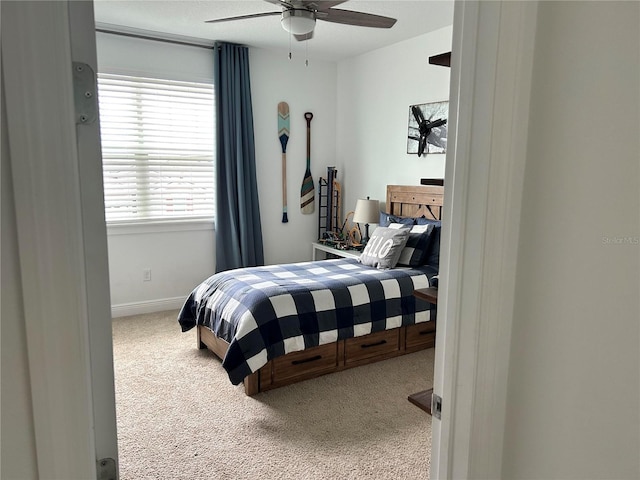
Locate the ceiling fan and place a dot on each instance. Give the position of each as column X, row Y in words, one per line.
column 298, row 17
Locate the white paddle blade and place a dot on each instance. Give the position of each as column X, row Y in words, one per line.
column 307, row 198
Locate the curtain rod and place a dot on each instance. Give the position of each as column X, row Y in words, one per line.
column 150, row 37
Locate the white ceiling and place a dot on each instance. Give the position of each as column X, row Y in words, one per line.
column 331, row 41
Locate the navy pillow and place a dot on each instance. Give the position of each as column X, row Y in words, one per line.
column 387, row 218
column 433, row 257
column 416, row 251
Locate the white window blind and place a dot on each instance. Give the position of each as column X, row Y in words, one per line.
column 157, row 148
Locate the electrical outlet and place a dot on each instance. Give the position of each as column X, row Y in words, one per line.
column 146, row 275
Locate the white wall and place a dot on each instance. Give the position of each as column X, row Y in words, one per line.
column 179, row 257
column 275, row 78
column 573, row 401
column 375, row 91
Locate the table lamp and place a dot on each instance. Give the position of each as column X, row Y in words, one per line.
column 367, row 211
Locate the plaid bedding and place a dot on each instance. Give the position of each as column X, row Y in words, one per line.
column 265, row 312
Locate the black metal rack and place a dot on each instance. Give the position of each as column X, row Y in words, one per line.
column 329, row 206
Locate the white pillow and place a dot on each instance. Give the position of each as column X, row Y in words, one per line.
column 396, row 226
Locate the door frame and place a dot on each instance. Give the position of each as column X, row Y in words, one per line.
column 492, row 64
column 57, row 180
column 490, row 84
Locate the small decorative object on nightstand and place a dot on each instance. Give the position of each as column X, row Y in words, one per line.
column 367, row 211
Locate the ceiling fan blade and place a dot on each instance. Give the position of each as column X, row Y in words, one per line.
column 349, row 17
column 243, row 17
column 282, row 3
column 322, row 5
column 319, row 5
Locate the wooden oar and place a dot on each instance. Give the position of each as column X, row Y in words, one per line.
column 307, row 192
column 283, row 135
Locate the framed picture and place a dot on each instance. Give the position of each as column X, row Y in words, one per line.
column 428, row 128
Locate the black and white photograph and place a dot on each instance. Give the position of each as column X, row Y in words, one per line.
column 428, row 128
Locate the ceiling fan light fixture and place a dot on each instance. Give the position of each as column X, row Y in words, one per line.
column 298, row 22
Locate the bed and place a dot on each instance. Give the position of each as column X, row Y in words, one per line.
column 280, row 324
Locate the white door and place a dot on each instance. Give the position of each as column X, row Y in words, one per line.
column 492, row 58
column 57, row 179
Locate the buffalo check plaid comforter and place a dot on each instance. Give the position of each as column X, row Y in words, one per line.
column 265, row 312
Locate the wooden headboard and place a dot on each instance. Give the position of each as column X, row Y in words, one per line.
column 415, row 200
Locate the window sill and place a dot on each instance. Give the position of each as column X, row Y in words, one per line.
column 160, row 226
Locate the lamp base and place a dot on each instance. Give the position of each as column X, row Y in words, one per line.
column 365, row 239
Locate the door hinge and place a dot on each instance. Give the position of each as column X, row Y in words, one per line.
column 85, row 98
column 106, row 469
column 436, row 406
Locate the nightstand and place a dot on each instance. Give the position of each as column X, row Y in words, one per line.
column 422, row 399
column 330, row 252
column 429, row 294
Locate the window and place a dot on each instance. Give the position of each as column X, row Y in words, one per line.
column 157, row 148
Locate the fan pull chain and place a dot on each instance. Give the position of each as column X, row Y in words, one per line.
column 306, row 53
column 289, row 45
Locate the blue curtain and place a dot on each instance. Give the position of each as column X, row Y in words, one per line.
column 238, row 228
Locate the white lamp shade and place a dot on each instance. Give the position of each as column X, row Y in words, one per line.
column 367, row 211
column 298, row 22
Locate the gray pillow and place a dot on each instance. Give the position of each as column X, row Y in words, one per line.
column 384, row 247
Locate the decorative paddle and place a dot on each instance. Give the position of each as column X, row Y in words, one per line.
column 307, row 192
column 283, row 135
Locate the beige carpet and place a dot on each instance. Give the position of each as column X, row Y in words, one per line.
column 179, row 417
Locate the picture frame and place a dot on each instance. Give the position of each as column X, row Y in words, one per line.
column 433, row 114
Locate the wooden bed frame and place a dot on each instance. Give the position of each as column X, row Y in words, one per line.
column 403, row 200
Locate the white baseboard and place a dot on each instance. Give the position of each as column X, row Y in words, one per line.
column 150, row 306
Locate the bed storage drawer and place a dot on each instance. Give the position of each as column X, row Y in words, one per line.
column 421, row 335
column 379, row 344
column 312, row 362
